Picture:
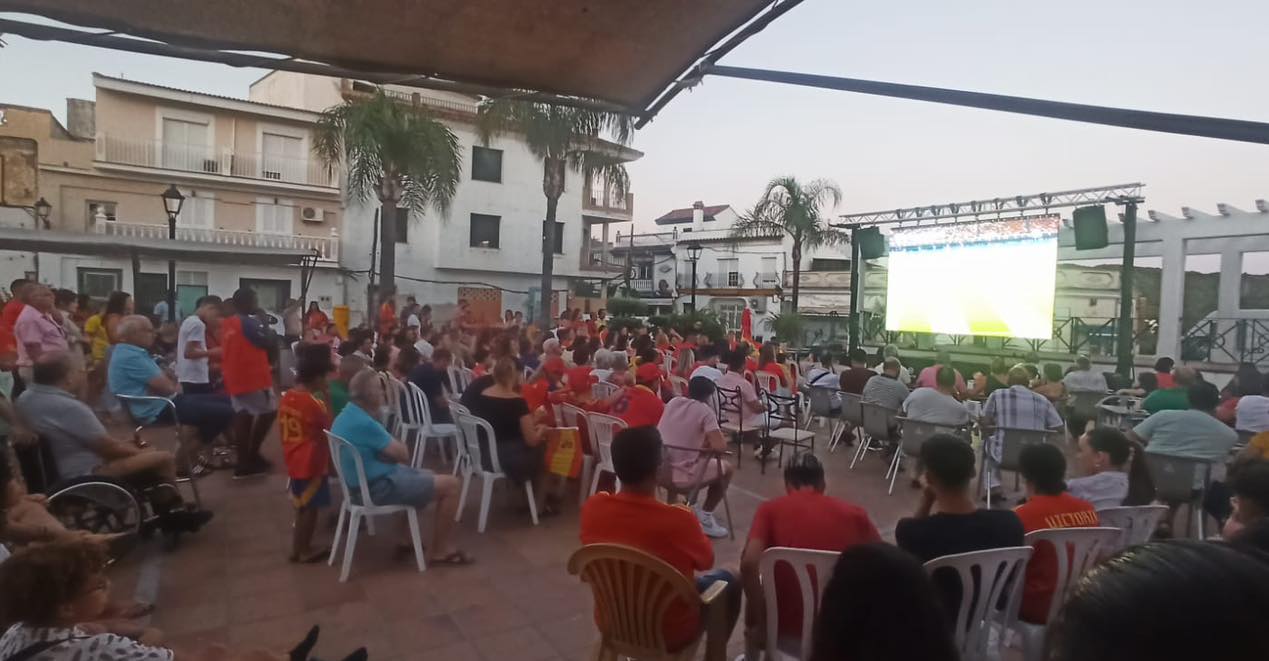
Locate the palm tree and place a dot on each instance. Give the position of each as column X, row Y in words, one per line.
column 791, row 207
column 563, row 138
column 396, row 153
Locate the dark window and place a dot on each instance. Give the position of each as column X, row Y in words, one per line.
column 484, row 230
column 486, row 164
column 559, row 238
column 403, row 225
column 821, row 264
column 99, row 283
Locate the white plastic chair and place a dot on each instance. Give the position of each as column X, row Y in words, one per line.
column 878, row 423
column 422, row 412
column 604, row 389
column 912, row 435
column 1180, row 481
column 571, row 416
column 679, row 385
column 804, row 562
column 403, row 421
column 1076, row 550
column 472, row 428
column 1137, row 523
column 602, row 428
column 853, row 415
column 766, row 382
column 1013, row 440
column 984, row 577
column 352, row 513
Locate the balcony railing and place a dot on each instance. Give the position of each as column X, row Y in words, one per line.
column 327, row 248
column 607, row 199
column 214, row 161
column 1095, row 336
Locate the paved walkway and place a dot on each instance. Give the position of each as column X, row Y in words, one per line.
column 231, row 583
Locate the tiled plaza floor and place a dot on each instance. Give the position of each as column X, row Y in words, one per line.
column 231, row 583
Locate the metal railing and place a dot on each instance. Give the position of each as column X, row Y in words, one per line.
column 607, row 199
column 1094, row 336
column 436, row 104
column 327, row 248
column 1226, row 340
column 214, row 160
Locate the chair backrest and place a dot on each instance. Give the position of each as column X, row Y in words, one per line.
column 421, row 409
column 1076, row 550
column 466, row 376
column 473, row 429
column 602, row 428
column 604, row 389
column 813, row 569
column 633, row 591
column 852, row 407
column 1137, row 523
column 679, row 384
column 128, row 400
column 394, row 394
column 766, row 381
column 339, row 449
column 1176, row 477
column 984, row 577
column 1013, row 440
column 456, row 407
column 782, row 410
column 877, row 420
column 454, row 373
column 570, row 414
column 1085, row 403
column 821, row 401
column 914, row 433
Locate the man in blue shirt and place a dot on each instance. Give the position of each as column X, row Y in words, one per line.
column 385, row 461
column 134, row 373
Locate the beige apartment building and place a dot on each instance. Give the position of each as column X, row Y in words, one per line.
column 251, row 187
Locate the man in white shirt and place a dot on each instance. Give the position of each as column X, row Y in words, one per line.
column 1083, row 378
column 824, row 376
column 891, row 351
column 424, row 347
column 937, row 405
column 192, row 354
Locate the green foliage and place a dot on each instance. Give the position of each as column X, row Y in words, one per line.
column 787, row 327
column 703, row 321
column 627, row 307
column 617, row 323
column 796, row 209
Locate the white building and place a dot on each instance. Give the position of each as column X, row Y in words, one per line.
column 487, row 250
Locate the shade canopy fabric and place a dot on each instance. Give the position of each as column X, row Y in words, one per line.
column 99, row 245
column 622, row 51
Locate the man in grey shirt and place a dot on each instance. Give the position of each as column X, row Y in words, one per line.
column 937, row 405
column 1084, row 379
column 79, row 443
column 885, row 388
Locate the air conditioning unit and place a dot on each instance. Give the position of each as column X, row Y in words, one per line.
column 758, row 304
column 311, row 215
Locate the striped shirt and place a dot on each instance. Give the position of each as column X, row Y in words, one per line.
column 1017, row 407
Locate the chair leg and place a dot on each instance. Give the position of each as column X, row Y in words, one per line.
column 412, row 517
column 731, row 527
column 860, row 450
column 370, row 525
column 354, row 522
column 594, row 482
column 339, row 530
column 583, row 481
column 533, row 503
column 486, row 495
column 894, row 470
column 462, row 496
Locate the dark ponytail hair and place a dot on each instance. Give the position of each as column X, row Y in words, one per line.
column 1129, row 455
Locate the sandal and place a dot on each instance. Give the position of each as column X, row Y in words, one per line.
column 455, row 559
column 313, row 557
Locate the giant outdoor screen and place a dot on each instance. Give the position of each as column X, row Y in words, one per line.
column 993, row 278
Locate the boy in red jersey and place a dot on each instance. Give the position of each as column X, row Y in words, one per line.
column 303, row 418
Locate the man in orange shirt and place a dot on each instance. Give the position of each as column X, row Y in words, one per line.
column 1048, row 505
column 635, row 517
column 640, row 405
column 249, row 382
column 388, row 313
column 304, row 415
column 537, row 393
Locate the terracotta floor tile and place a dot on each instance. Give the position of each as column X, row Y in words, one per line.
column 523, row 644
column 463, row 651
column 570, row 633
column 414, row 635
column 477, row 621
column 195, row 617
column 265, row 605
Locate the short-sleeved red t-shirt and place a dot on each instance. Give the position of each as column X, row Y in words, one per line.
column 807, row 519
column 303, row 418
column 669, row 532
column 638, row 406
column 1038, row 513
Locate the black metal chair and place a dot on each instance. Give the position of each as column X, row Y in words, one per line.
column 781, row 425
column 730, row 400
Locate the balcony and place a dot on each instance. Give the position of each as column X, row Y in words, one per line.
column 327, row 248
column 599, row 198
column 215, row 161
column 818, row 280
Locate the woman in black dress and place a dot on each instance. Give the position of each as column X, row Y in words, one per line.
column 520, row 440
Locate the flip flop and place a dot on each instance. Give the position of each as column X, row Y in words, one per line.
column 455, row 559
column 312, row 558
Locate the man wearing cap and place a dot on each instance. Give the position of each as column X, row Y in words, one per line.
column 537, row 392
column 1083, row 378
column 639, row 405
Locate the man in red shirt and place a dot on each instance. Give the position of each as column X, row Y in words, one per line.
column 1048, row 505
column 303, row 416
column 537, row 393
column 640, row 405
column 804, row 518
column 8, row 320
column 388, row 314
column 249, row 382
column 635, row 517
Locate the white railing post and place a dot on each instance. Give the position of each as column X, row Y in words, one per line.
column 332, row 252
column 99, row 222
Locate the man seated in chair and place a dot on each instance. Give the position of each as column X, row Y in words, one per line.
column 753, row 412
column 1015, row 407
column 390, row 478
column 134, row 373
column 690, row 423
column 81, row 446
column 803, row 518
column 634, row 517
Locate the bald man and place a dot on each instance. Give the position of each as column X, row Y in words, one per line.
column 133, row 372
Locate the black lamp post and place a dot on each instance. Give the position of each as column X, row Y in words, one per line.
column 42, row 210
column 172, row 201
column 694, row 255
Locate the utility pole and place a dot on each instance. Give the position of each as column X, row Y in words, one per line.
column 1125, row 333
column 855, row 270
column 370, row 288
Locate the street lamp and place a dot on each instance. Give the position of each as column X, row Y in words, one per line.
column 694, row 255
column 42, row 210
column 172, row 201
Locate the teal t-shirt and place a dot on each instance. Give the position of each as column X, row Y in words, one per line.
column 1167, row 399
column 131, row 370
column 369, row 437
column 1190, row 433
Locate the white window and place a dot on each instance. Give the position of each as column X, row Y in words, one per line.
column 106, row 209
column 729, row 313
column 186, row 147
column 729, row 272
column 192, row 278
column 198, row 211
column 769, row 273
column 283, row 157
column 274, row 217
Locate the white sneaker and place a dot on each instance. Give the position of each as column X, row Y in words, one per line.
column 711, row 527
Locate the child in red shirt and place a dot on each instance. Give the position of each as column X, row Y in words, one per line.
column 303, row 416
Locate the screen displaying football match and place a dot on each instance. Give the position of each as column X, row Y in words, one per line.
column 993, row 278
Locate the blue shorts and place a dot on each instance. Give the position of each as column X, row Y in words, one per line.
column 403, row 486
column 311, row 493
